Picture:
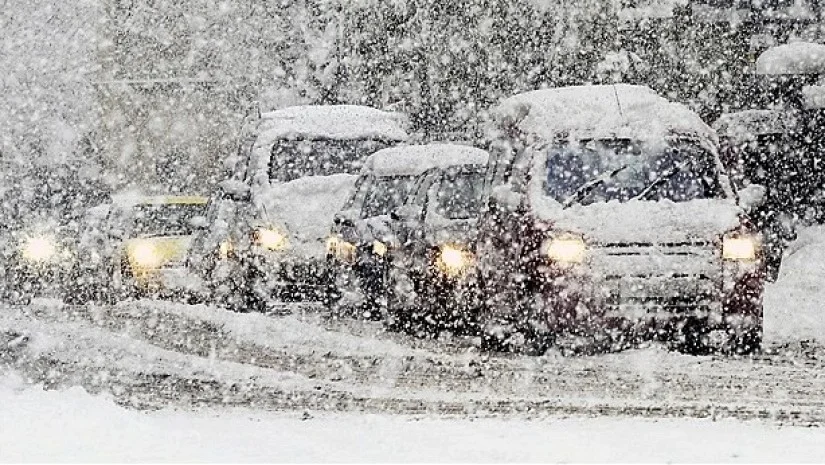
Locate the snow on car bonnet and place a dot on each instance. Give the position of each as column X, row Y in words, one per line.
column 306, row 208
column 793, row 58
column 416, row 159
column 604, row 111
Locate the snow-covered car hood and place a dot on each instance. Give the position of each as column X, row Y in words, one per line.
column 645, row 221
column 305, row 209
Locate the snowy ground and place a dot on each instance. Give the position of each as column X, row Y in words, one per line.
column 71, row 425
column 795, row 304
column 207, row 384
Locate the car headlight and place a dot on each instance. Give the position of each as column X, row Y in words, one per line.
column 379, row 248
column 341, row 249
column 39, row 249
column 567, row 249
column 145, row 255
column 742, row 248
column 271, row 239
column 453, row 260
column 225, row 249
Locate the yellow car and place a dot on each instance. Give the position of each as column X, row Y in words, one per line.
column 156, row 238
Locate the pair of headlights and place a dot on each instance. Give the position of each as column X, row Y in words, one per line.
column 572, row 249
column 346, row 251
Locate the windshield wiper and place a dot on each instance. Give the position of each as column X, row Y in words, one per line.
column 588, row 187
column 658, row 181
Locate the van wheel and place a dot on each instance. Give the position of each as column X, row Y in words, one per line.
column 697, row 338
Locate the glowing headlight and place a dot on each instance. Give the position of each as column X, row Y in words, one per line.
column 565, row 249
column 379, row 248
column 341, row 249
column 271, row 239
column 739, row 248
column 39, row 249
column 225, row 249
column 145, row 255
column 453, row 260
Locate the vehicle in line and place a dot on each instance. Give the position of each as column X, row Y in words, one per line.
column 611, row 221
column 269, row 221
column 364, row 239
column 756, row 147
column 41, row 208
column 152, row 237
column 432, row 275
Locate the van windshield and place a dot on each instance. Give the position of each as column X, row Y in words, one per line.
column 619, row 169
column 166, row 219
column 461, row 197
column 385, row 194
column 295, row 159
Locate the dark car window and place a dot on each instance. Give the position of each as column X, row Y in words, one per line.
column 684, row 171
column 294, row 159
column 460, row 196
column 166, row 219
column 385, row 194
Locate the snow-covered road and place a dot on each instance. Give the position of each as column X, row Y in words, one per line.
column 72, row 425
column 155, row 354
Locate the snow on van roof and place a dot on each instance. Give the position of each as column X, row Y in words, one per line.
column 745, row 125
column 593, row 111
column 793, row 58
column 415, row 159
column 331, row 122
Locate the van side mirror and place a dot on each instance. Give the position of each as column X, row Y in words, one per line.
column 406, row 213
column 199, row 222
column 752, row 197
column 505, row 197
column 235, row 190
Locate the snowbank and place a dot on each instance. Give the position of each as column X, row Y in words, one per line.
column 71, row 425
column 619, row 110
column 415, row 159
column 795, row 303
column 793, row 58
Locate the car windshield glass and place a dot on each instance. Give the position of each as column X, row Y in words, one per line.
column 681, row 172
column 294, row 159
column 385, row 194
column 166, row 219
column 460, row 196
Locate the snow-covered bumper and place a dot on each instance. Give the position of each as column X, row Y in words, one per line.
column 358, row 279
column 287, row 277
column 646, row 289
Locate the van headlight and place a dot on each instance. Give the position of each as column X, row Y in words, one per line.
column 341, row 249
column 225, row 249
column 565, row 249
column 453, row 260
column 271, row 239
column 379, row 248
column 145, row 255
column 39, row 249
column 740, row 248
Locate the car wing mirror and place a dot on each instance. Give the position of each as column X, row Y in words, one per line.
column 752, row 197
column 505, row 197
column 406, row 213
column 235, row 190
column 199, row 222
